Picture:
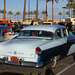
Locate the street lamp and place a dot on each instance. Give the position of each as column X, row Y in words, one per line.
column 63, row 12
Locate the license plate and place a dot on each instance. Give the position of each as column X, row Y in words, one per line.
column 14, row 59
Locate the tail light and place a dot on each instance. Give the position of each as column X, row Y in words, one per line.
column 38, row 50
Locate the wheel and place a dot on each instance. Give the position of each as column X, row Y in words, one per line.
column 53, row 62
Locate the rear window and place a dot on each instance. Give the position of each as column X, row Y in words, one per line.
column 36, row 33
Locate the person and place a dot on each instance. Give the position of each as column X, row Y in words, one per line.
column 6, row 33
column 55, row 23
column 32, row 22
column 70, row 29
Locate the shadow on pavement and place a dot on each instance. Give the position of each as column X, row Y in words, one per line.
column 8, row 73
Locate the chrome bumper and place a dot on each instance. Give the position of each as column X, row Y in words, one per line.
column 22, row 63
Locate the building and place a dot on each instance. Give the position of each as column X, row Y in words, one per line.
column 7, row 19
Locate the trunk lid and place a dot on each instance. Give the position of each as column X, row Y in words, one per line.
column 22, row 47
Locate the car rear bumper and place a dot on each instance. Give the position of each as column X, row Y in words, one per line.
column 22, row 63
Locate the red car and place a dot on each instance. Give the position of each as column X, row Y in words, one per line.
column 6, row 24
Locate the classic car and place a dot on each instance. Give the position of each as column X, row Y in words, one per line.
column 37, row 46
column 4, row 35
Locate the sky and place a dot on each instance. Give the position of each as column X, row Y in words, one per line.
column 17, row 5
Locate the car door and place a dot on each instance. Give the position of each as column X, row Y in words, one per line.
column 64, row 46
column 62, row 41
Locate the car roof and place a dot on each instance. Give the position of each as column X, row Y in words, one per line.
column 51, row 28
column 4, row 23
column 5, row 27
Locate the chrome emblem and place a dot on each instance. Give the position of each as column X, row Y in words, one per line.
column 15, row 52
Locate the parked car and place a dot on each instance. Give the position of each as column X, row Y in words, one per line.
column 37, row 46
column 17, row 27
column 6, row 33
column 47, row 23
column 6, row 24
column 25, row 25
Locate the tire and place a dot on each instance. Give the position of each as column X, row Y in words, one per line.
column 53, row 62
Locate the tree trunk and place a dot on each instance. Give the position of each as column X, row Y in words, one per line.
column 4, row 11
column 71, row 12
column 69, row 7
column 46, row 10
column 52, row 12
column 10, row 17
column 37, row 11
column 24, row 10
column 17, row 18
column 60, row 18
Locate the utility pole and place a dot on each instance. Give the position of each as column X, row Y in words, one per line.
column 46, row 10
column 24, row 10
column 4, row 11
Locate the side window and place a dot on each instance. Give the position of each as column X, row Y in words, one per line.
column 64, row 33
column 58, row 33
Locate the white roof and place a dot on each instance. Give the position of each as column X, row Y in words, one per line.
column 51, row 28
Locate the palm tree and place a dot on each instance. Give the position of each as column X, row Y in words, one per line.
column 0, row 10
column 60, row 15
column 10, row 13
column 74, row 9
column 44, row 13
column 34, row 12
column 71, row 5
column 4, row 11
column 24, row 10
column 18, row 13
column 52, row 7
column 31, row 13
column 37, row 11
column 67, row 13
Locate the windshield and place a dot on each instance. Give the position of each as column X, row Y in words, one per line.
column 36, row 34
